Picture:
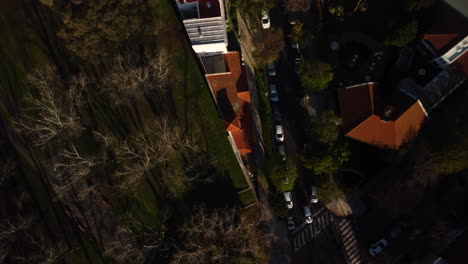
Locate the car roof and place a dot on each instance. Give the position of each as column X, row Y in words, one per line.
column 279, row 129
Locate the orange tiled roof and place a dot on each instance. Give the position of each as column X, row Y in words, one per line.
column 356, row 104
column 390, row 134
column 362, row 123
column 233, row 99
column 242, row 142
column 245, row 96
column 442, row 42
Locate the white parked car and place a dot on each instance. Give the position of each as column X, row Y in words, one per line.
column 308, row 215
column 291, row 225
column 282, row 151
column 288, row 199
column 313, row 194
column 274, row 93
column 271, row 69
column 265, row 19
column 378, row 247
column 279, row 133
column 295, row 45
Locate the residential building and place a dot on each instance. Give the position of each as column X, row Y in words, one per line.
column 386, row 124
column 227, row 79
column 205, row 23
column 434, row 67
column 444, row 47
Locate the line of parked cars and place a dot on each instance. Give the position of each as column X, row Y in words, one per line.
column 277, row 118
column 308, row 218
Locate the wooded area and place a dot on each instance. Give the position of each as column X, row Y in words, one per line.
column 110, row 137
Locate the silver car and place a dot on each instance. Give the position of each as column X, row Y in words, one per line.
column 308, row 215
column 288, row 199
column 279, row 133
column 274, row 93
column 313, row 194
column 271, row 69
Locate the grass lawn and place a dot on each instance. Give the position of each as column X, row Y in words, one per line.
column 265, row 113
column 193, row 102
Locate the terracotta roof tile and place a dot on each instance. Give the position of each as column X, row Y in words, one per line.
column 409, row 124
column 242, row 142
column 233, row 99
column 442, row 42
column 356, row 104
column 390, row 134
column 362, row 122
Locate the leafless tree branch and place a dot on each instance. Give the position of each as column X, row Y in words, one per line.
column 295, row 6
column 126, row 81
column 51, row 112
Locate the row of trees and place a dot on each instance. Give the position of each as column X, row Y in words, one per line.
column 327, row 154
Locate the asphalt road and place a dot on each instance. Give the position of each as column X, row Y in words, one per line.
column 293, row 117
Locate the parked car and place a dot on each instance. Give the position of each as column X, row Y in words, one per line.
column 297, row 63
column 378, row 247
column 295, row 45
column 308, row 215
column 279, row 133
column 265, row 19
column 291, row 225
column 277, row 116
column 313, row 194
column 288, row 199
column 273, row 93
column 282, row 151
column 271, row 69
column 292, row 19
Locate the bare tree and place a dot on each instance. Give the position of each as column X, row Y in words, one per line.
column 52, row 111
column 294, row 6
column 71, row 170
column 47, row 252
column 219, row 236
column 147, row 150
column 126, row 80
column 124, row 248
column 8, row 231
column 7, row 169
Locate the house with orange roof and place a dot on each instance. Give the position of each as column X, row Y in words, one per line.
column 365, row 118
column 440, row 66
column 228, row 83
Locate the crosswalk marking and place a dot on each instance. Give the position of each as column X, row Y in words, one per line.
column 304, row 236
column 348, row 239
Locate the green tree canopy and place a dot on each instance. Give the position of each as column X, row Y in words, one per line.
column 283, row 175
column 325, row 128
column 253, row 8
column 403, row 34
column 94, row 28
column 269, row 46
column 315, row 75
column 297, row 32
column 327, row 162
